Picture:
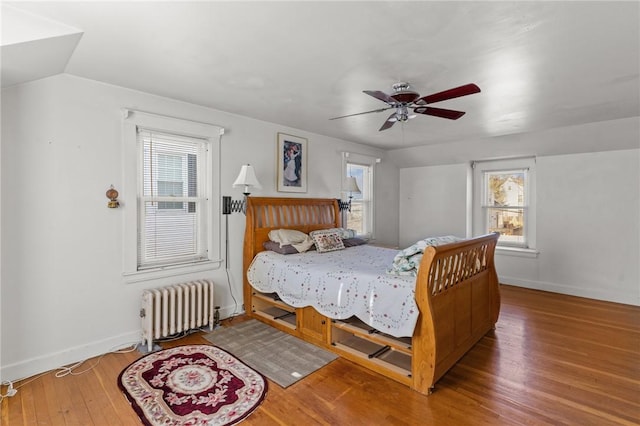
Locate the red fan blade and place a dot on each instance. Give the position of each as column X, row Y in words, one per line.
column 387, row 124
column 439, row 112
column 380, row 95
column 360, row 113
column 467, row 89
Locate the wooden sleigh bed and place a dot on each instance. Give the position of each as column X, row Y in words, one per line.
column 456, row 291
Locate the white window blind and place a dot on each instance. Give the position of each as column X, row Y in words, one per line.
column 172, row 203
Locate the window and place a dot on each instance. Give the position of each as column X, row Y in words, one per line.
column 360, row 218
column 170, row 179
column 171, row 232
column 171, row 191
column 504, row 201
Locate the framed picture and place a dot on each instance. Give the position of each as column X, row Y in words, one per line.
column 292, row 163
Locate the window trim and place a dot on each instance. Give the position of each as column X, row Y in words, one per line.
column 479, row 168
column 367, row 161
column 133, row 119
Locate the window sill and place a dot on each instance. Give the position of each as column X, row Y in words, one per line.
column 517, row 251
column 171, row 271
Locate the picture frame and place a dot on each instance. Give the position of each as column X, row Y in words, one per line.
column 292, row 163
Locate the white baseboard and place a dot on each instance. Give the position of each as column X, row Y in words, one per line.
column 40, row 364
column 232, row 310
column 607, row 294
column 51, row 361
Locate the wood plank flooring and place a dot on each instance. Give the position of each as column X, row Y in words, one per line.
column 553, row 359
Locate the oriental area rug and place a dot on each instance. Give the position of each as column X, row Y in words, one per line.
column 192, row 385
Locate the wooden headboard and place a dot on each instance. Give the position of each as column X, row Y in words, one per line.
column 267, row 213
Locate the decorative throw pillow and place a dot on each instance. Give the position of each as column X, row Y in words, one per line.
column 327, row 240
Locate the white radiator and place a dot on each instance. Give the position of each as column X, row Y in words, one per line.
column 173, row 309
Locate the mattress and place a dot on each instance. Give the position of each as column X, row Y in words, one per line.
column 341, row 284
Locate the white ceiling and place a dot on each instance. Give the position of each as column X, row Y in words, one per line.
column 539, row 65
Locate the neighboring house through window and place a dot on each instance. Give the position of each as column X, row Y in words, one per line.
column 504, row 201
column 170, row 178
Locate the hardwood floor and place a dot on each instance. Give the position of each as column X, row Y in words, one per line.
column 552, row 359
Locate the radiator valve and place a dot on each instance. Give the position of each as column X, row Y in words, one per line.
column 216, row 317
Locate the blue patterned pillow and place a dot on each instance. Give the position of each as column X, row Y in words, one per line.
column 343, row 232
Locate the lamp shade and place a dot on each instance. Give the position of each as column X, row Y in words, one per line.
column 351, row 185
column 247, row 178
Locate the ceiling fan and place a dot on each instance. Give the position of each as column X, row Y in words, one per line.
column 404, row 98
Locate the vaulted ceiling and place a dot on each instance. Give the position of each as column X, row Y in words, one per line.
column 539, row 65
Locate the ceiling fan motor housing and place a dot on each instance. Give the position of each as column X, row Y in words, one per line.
column 403, row 94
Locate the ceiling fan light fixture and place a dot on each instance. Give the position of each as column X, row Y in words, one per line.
column 402, row 114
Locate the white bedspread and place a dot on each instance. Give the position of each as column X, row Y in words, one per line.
column 341, row 284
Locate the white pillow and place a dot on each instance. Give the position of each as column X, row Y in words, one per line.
column 301, row 241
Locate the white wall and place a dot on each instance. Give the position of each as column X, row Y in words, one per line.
column 588, row 228
column 588, row 212
column 1, row 375
column 444, row 214
column 387, row 198
column 63, row 297
column 590, row 137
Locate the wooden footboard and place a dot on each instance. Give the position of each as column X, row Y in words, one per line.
column 457, row 295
